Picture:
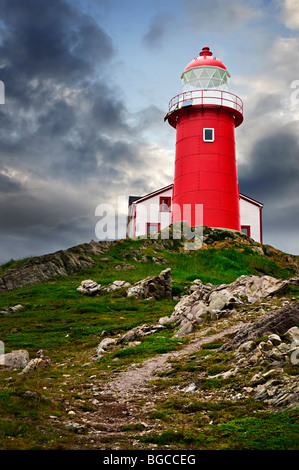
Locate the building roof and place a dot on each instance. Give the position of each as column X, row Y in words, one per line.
column 154, row 193
column 205, row 59
column 250, row 199
column 133, row 199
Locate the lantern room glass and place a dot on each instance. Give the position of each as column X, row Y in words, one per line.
column 205, row 77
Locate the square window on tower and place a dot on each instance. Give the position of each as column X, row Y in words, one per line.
column 208, row 135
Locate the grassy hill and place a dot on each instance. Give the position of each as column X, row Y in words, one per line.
column 35, row 408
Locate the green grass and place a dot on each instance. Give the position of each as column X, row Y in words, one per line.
column 224, row 426
column 68, row 327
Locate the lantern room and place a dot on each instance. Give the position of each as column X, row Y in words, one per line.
column 205, row 72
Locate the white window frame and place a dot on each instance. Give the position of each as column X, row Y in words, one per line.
column 213, row 134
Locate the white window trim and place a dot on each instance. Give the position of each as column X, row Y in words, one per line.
column 208, row 129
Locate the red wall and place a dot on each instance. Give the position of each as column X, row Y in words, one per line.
column 206, row 172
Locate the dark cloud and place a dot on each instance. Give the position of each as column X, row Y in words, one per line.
column 154, row 37
column 32, row 241
column 108, row 110
column 51, row 127
column 9, row 185
column 64, row 129
column 272, row 177
column 50, row 40
column 272, row 173
column 57, row 120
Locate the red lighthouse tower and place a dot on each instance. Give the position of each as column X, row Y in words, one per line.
column 205, row 116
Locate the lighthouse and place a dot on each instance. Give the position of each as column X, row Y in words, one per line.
column 205, row 187
column 205, row 116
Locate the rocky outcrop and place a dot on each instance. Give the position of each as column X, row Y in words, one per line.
column 276, row 323
column 275, row 353
column 156, row 287
column 253, row 288
column 215, row 300
column 61, row 263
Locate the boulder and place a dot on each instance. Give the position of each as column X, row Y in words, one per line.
column 117, row 285
column 139, row 332
column 15, row 360
column 186, row 329
column 219, row 300
column 124, row 266
column 106, row 343
column 189, row 308
column 89, row 287
column 292, row 335
column 275, row 339
column 157, row 287
column 280, row 392
column 40, row 361
column 103, row 347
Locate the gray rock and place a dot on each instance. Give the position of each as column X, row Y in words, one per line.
column 254, row 288
column 292, row 334
column 106, row 343
column 39, row 362
column 139, row 332
column 278, row 322
column 248, row 346
column 219, row 300
column 157, row 287
column 60, row 263
column 89, row 287
column 226, row 374
column 117, row 285
column 12, row 309
column 275, row 339
column 76, row 427
column 165, row 321
column 16, row 359
column 272, row 373
column 124, row 266
column 190, row 388
column 186, row 329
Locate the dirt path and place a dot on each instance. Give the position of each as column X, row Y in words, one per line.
column 127, row 399
column 136, row 377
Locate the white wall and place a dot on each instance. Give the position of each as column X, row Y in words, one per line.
column 250, row 215
column 147, row 211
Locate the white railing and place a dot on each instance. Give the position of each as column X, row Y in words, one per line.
column 206, row 98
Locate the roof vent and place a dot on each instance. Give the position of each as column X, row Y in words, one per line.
column 205, row 51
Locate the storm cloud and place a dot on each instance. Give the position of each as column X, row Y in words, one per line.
column 73, row 133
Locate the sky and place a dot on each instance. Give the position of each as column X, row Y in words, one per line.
column 87, row 86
